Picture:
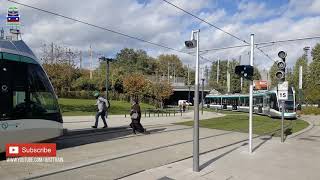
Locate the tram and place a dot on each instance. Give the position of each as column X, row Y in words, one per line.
column 264, row 103
column 29, row 110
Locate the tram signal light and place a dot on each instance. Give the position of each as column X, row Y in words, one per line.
column 281, row 64
column 245, row 71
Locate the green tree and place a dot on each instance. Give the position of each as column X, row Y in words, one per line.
column 312, row 93
column 272, row 72
column 173, row 62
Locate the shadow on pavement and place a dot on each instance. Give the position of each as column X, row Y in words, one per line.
column 206, row 164
column 264, row 141
column 88, row 136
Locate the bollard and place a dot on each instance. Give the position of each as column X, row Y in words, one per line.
column 149, row 113
column 174, row 112
column 166, row 114
column 158, row 113
column 169, row 113
column 181, row 113
column 125, row 114
column 145, row 113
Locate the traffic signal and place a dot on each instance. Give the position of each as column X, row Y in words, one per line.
column 245, row 71
column 281, row 64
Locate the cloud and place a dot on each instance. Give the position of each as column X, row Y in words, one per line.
column 161, row 23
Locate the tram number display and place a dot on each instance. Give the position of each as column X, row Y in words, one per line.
column 283, row 95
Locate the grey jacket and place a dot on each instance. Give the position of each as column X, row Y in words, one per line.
column 102, row 104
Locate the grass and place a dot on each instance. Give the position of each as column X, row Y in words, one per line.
column 261, row 124
column 80, row 107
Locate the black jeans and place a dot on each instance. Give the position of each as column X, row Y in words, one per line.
column 102, row 114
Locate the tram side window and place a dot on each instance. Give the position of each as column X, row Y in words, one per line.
column 274, row 102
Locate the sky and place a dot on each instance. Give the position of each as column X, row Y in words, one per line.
column 159, row 22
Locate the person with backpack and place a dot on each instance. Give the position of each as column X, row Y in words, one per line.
column 102, row 105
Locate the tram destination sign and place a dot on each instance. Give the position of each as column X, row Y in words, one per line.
column 283, row 91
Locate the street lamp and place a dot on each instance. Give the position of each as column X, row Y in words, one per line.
column 192, row 43
column 107, row 60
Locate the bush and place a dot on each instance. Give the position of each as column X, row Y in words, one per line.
column 311, row 110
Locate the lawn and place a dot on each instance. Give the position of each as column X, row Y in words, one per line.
column 261, row 124
column 79, row 107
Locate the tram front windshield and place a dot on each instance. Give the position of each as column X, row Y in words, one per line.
column 289, row 105
column 26, row 92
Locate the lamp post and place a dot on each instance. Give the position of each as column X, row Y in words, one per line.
column 192, row 44
column 107, row 60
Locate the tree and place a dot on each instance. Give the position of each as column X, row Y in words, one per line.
column 134, row 85
column 313, row 83
column 173, row 62
column 162, row 90
column 272, row 72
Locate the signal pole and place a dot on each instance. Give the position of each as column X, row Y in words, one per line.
column 188, row 84
column 91, row 61
column 218, row 71
column 251, row 94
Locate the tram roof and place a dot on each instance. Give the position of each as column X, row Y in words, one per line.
column 11, row 49
column 239, row 95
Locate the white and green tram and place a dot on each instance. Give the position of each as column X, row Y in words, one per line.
column 264, row 103
column 29, row 110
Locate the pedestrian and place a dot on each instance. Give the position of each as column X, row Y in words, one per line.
column 102, row 105
column 136, row 117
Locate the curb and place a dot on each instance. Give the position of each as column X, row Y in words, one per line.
column 311, row 125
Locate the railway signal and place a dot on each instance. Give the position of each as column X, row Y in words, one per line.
column 245, row 71
column 281, row 64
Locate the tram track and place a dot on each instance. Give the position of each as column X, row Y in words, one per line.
column 89, row 164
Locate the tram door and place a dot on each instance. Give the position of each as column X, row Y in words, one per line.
column 6, row 70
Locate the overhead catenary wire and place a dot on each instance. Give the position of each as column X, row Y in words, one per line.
column 99, row 27
column 107, row 29
column 210, row 24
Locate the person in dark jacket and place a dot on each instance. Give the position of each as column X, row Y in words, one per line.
column 136, row 117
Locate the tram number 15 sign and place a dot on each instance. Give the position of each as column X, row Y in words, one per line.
column 283, row 95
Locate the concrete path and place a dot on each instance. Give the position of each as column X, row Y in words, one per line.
column 298, row 158
column 114, row 152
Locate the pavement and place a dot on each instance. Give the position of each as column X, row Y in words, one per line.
column 295, row 159
column 166, row 153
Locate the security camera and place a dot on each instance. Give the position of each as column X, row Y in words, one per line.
column 191, row 44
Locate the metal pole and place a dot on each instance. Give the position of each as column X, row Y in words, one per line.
column 168, row 73
column 300, row 85
column 251, row 96
column 282, row 122
column 188, row 84
column 218, row 71
column 202, row 96
column 91, row 62
column 196, row 112
column 107, row 79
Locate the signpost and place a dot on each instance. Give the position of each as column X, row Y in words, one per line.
column 282, row 96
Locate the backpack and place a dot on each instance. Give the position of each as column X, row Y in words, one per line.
column 108, row 105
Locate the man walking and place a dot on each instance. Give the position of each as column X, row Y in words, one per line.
column 102, row 104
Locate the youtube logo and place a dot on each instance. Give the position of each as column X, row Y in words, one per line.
column 13, row 150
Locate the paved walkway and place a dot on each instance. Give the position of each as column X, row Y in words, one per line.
column 298, row 158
